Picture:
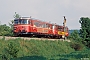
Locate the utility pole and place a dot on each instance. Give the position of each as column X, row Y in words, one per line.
column 64, row 24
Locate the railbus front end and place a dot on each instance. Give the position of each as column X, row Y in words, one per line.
column 21, row 26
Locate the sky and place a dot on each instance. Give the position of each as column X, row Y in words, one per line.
column 46, row 10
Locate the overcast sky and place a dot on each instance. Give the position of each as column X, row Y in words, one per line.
column 46, row 10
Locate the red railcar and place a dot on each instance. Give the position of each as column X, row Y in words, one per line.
column 29, row 26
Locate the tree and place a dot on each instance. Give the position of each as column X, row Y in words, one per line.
column 16, row 15
column 85, row 30
column 5, row 30
column 75, row 35
column 11, row 24
column 12, row 21
column 11, row 51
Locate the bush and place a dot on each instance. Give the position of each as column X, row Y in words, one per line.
column 75, row 36
column 76, row 46
column 10, row 51
column 5, row 30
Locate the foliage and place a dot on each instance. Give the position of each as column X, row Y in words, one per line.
column 11, row 24
column 30, row 58
column 36, row 48
column 5, row 30
column 77, row 55
column 85, row 30
column 10, row 50
column 12, row 21
column 75, row 36
column 16, row 15
column 76, row 46
column 39, row 49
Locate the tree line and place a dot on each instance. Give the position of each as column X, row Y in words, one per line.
column 83, row 35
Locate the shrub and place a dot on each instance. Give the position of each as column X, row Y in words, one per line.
column 76, row 46
column 5, row 30
column 10, row 51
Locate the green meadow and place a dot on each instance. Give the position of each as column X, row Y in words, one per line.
column 19, row 49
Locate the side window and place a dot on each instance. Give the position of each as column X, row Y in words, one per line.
column 37, row 24
column 48, row 26
column 60, row 28
column 44, row 25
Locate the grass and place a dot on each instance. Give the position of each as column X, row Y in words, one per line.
column 48, row 50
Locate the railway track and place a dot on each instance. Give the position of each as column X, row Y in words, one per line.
column 29, row 38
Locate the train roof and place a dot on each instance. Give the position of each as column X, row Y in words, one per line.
column 38, row 20
column 23, row 18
